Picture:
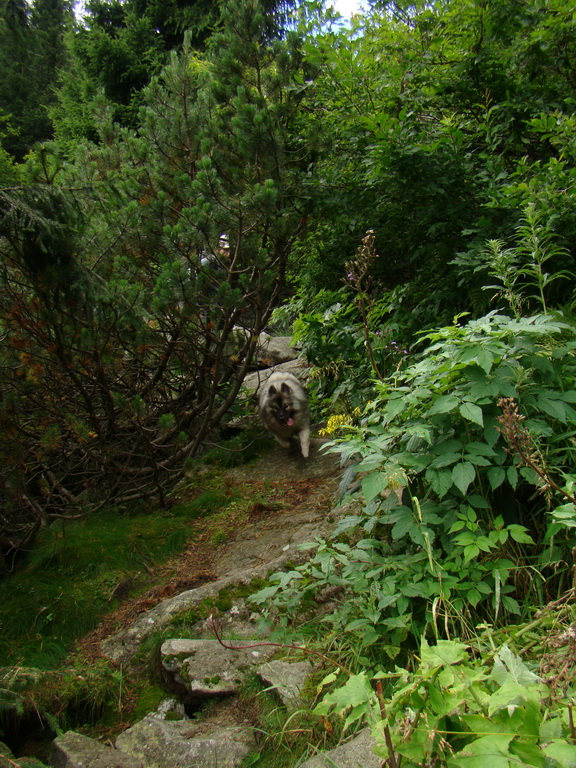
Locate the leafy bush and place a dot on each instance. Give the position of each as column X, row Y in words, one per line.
column 468, row 504
column 458, row 708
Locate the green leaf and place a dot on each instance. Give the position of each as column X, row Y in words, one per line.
column 471, row 553
column 520, row 534
column 509, row 666
column 512, row 476
column 473, row 597
column 463, row 474
column 472, row 412
column 394, row 407
column 529, row 752
column 440, row 481
column 485, row 358
column 496, row 476
column 443, row 654
column 357, row 691
column 553, row 408
column 443, row 404
column 562, row 752
column 511, row 693
column 445, row 460
column 373, row 484
column 486, row 751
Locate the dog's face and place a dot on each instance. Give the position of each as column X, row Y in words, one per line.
column 281, row 405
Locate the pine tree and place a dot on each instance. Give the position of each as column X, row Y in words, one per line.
column 113, row 380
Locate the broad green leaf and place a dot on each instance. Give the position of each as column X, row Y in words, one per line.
column 357, row 691
column 472, row 412
column 553, row 408
column 463, row 474
column 473, row 597
column 448, row 446
column 444, row 653
column 373, row 484
column 511, row 693
column 471, row 553
column 496, row 476
column 512, row 476
column 440, row 481
column 477, row 460
column 509, row 666
column 528, row 751
column 443, row 404
column 445, row 460
column 485, row 359
column 520, row 534
column 478, row 502
column 404, row 524
column 562, row 752
column 488, row 751
column 394, row 407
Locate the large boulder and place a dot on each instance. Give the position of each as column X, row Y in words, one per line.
column 73, row 750
column 287, row 679
column 191, row 743
column 205, row 668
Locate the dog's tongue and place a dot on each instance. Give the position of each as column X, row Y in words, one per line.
column 289, row 422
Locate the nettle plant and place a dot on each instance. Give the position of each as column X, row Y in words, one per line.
column 465, row 460
column 458, row 708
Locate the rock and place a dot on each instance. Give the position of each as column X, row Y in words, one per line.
column 73, row 750
column 270, row 350
column 275, row 350
column 206, row 668
column 170, row 709
column 189, row 743
column 267, row 552
column 357, row 753
column 287, row 679
column 253, row 381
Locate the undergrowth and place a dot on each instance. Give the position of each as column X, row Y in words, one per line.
column 78, row 571
column 448, row 624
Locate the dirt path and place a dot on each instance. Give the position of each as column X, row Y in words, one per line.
column 292, row 501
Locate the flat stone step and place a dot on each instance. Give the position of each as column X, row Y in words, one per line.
column 194, row 744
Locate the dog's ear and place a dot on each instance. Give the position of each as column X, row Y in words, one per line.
column 286, row 388
column 272, row 390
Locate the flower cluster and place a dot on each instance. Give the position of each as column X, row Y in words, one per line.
column 338, row 420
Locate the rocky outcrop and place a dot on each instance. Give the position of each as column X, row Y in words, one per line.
column 73, row 750
column 205, row 668
column 287, row 679
column 195, row 744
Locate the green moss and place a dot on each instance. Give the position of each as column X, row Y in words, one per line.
column 222, row 602
column 149, row 697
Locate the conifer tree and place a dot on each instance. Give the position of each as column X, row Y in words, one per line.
column 111, row 381
column 31, row 52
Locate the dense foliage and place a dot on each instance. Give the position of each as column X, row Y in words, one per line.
column 402, row 189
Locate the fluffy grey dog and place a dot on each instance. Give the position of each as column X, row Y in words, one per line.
column 284, row 410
